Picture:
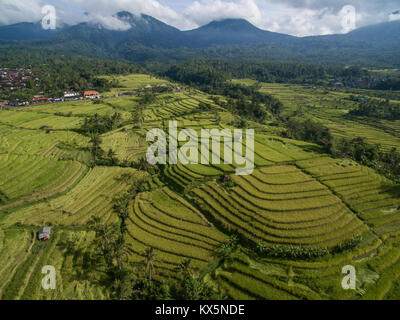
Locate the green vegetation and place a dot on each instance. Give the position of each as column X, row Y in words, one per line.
column 59, row 73
column 378, row 109
column 123, row 229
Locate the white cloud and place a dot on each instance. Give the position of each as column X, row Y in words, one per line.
column 300, row 21
column 111, row 23
column 394, row 16
column 296, row 17
column 205, row 11
column 104, row 9
column 13, row 11
column 314, row 17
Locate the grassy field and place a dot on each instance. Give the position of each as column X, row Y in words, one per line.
column 296, row 196
column 135, row 82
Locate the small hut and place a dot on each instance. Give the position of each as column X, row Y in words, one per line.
column 44, row 234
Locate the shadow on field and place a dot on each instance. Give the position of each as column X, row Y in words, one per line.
column 394, row 191
column 85, row 262
column 3, row 197
column 312, row 148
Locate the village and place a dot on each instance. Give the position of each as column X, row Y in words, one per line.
column 12, row 80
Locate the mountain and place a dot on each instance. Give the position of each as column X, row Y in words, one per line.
column 147, row 31
column 144, row 39
column 25, row 31
column 388, row 32
column 143, row 29
column 232, row 31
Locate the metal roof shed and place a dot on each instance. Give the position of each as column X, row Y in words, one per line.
column 44, row 233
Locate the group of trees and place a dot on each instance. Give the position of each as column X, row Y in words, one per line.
column 303, row 252
column 291, row 252
column 95, row 125
column 387, row 163
column 245, row 101
column 214, row 72
column 60, row 73
column 248, row 102
column 309, row 130
column 101, row 123
column 388, row 84
column 134, row 281
column 374, row 108
column 357, row 149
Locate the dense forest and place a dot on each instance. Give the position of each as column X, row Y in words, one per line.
column 377, row 109
column 389, row 84
column 60, row 72
column 205, row 72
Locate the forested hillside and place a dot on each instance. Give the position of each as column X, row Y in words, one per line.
column 149, row 40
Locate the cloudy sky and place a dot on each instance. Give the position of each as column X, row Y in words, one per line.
column 296, row 17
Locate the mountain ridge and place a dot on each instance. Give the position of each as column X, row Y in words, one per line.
column 144, row 38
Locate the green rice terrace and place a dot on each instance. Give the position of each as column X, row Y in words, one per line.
column 283, row 232
column 332, row 107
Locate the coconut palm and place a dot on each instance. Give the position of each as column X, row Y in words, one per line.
column 150, row 258
column 111, row 156
column 95, row 140
column 184, row 267
column 138, row 116
column 120, row 250
column 143, row 164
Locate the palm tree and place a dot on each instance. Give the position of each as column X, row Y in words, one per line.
column 233, row 240
column 143, row 164
column 120, row 250
column 150, row 256
column 138, row 116
column 94, row 223
column 95, row 140
column 184, row 267
column 111, row 156
column 261, row 246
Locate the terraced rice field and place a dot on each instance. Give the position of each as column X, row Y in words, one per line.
column 280, row 205
column 375, row 199
column 75, row 108
column 135, row 82
column 175, row 229
column 37, row 142
column 267, row 152
column 93, row 195
column 332, row 108
column 245, row 279
column 31, row 178
column 35, row 120
column 376, row 260
column 127, row 144
column 70, row 252
column 295, row 196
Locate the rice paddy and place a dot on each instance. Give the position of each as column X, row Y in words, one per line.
column 296, row 196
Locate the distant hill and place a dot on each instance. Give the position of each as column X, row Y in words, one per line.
column 388, row 33
column 147, row 40
column 232, row 31
column 143, row 29
column 25, row 31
